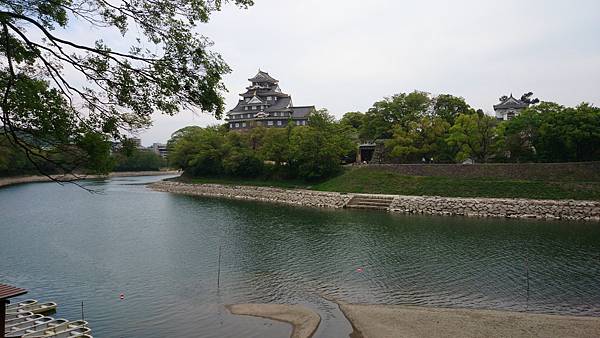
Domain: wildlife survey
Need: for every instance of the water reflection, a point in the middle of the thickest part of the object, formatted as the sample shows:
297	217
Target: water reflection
161	250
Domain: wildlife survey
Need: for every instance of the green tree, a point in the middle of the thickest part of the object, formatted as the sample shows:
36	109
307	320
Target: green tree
103	88
353	120
423	139
313	155
276	146
570	134
449	107
200	152
475	136
398	110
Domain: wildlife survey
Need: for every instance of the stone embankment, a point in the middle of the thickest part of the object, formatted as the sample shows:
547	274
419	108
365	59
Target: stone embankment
495	207
298	197
428	205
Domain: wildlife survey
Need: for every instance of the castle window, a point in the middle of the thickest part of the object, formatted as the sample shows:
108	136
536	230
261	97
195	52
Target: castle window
231	125
297	123
253	107
270	123
246	108
279	123
237	125
244	124
269	98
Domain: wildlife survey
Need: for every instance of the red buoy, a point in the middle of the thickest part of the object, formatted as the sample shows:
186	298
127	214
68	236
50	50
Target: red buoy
359	270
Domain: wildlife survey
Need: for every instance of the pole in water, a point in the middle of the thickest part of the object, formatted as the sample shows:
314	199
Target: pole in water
219	270
527	278
82	316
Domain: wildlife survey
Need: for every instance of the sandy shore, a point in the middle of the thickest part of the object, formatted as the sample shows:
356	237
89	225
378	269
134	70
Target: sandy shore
304	321
6	181
382	321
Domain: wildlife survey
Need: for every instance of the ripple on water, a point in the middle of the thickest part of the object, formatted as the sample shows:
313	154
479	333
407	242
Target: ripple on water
161	251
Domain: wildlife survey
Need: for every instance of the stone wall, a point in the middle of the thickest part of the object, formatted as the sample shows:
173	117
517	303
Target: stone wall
305	198
445	206
493	207
583	171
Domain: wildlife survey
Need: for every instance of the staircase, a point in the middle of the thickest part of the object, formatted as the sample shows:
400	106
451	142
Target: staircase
369	202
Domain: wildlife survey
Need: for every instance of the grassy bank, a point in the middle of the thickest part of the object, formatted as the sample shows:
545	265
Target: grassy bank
378	181
381	181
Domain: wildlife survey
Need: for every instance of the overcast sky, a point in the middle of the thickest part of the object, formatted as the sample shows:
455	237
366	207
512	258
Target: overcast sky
344	55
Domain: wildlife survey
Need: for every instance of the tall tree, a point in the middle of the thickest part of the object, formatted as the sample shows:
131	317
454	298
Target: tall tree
423	139
449	107
400	109
475	135
110	89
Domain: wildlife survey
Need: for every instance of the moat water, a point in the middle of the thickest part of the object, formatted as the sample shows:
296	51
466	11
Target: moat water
161	252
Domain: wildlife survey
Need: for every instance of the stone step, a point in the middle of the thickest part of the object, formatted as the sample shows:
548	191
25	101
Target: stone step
361	202
369	202
374	207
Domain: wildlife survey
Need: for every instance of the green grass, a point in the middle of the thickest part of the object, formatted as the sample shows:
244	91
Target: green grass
380	181
287	184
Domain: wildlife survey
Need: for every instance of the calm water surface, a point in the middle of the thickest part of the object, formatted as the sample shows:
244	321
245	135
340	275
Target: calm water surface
161	250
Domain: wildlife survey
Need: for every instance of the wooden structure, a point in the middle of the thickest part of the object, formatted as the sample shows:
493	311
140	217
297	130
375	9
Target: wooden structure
7	292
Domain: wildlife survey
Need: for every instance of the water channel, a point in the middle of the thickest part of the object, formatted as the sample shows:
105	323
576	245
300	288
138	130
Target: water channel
161	250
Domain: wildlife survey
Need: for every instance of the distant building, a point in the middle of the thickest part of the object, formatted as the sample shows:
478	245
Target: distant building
509	107
264	104
160	149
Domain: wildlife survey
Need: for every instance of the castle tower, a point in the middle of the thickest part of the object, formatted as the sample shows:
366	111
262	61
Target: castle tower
264	104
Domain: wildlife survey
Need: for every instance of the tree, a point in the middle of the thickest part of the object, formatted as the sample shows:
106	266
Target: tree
569	134
475	136
400	109
526	98
163	67
449	107
421	139
353	120
138	160
313	155
276	146
200	152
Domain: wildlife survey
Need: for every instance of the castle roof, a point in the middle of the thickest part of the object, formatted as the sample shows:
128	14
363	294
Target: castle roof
511	102
263	77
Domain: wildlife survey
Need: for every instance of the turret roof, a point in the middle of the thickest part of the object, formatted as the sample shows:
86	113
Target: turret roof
263	77
511	102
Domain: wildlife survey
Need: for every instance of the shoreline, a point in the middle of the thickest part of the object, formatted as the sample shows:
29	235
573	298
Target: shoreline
304	321
14	180
373	321
571	210
379	321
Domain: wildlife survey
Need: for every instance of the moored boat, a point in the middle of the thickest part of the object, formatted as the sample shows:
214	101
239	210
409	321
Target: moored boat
61	330
35	308
17	316
78	332
39	325
17	306
22	321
